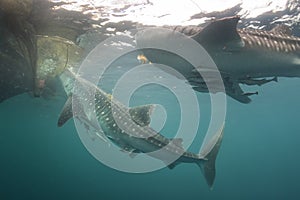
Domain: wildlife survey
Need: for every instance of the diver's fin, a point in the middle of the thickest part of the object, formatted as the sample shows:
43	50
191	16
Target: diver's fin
259	82
209	154
141	114
250	93
221	31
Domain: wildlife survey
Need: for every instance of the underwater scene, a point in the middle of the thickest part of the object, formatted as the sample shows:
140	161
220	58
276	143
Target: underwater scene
149	99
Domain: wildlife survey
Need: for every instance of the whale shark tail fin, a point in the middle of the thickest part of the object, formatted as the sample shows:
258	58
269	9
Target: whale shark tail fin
209	154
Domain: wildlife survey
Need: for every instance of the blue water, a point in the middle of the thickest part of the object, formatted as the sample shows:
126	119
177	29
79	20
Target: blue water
258	159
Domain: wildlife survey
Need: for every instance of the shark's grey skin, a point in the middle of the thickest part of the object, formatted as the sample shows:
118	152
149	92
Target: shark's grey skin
251	53
129	128
241	55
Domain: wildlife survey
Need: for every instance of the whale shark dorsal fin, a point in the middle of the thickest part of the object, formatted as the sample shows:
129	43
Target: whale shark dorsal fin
219	31
141	114
177	142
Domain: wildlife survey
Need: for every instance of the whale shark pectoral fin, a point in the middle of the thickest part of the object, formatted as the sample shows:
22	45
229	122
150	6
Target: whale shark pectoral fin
222	32
134	153
242	98
68	112
235	91
131	151
141	114
172	165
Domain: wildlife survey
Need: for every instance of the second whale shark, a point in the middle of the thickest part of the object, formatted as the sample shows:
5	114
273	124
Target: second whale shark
243	56
129	129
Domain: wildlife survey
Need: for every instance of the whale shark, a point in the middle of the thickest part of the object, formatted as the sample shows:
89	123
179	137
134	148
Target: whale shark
128	128
243	56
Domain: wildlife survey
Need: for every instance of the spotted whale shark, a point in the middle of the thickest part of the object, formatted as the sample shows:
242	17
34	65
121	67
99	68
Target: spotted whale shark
128	128
243	56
